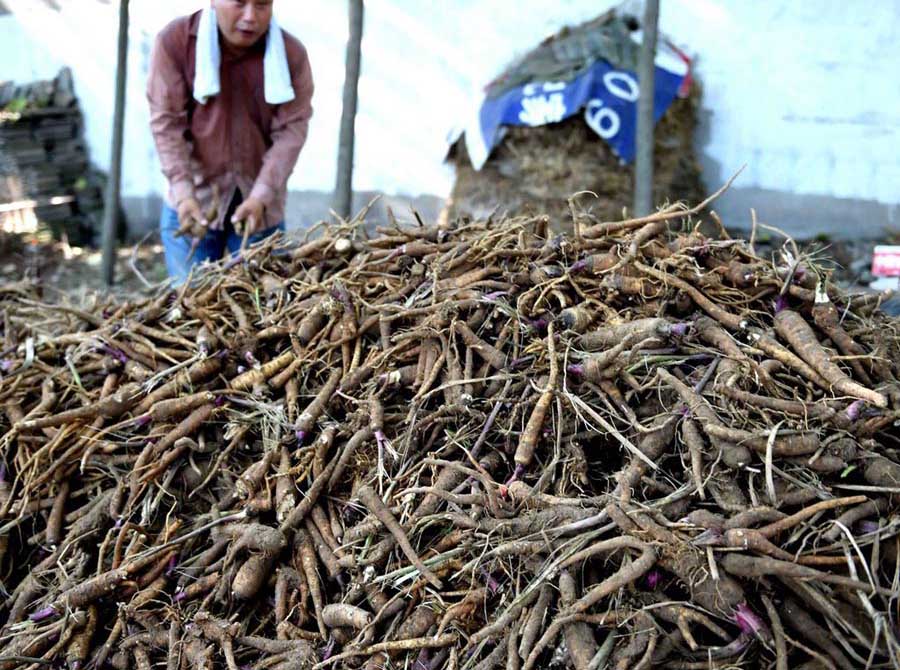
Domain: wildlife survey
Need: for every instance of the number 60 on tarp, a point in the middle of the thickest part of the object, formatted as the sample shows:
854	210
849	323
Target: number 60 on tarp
602	119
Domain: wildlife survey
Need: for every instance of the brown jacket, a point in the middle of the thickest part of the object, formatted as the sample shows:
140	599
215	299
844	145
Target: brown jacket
236	140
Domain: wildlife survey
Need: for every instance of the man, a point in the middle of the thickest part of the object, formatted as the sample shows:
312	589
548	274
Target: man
230	102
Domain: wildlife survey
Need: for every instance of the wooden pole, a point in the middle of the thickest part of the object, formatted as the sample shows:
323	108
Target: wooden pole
113	184
643	167
343	190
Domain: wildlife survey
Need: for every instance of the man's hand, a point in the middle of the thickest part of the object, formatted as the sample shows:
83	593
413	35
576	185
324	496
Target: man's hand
189	212
252	213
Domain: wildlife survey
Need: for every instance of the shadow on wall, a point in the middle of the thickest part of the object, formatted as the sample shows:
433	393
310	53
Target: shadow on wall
800	215
304	209
805	217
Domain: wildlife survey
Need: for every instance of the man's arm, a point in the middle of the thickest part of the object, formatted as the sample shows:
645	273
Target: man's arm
290	125
167	93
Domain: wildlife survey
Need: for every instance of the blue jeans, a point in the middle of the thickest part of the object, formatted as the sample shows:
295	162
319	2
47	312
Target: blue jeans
212	247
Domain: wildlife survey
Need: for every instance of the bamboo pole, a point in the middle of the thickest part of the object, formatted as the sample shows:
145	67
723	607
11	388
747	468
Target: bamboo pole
643	168
113	185
343	191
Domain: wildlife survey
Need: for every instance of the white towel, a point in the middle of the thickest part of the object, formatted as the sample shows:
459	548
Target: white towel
276	73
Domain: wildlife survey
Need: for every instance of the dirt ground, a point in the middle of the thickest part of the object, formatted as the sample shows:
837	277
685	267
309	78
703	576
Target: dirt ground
67	273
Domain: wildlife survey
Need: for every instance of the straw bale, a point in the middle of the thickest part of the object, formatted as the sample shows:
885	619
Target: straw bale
536	170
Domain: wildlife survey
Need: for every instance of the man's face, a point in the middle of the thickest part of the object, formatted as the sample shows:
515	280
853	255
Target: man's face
243	22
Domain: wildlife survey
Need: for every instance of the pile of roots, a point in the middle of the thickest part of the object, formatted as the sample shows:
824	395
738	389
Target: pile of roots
471	446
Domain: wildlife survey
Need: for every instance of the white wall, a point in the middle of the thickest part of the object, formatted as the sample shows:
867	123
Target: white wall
804	92
23	59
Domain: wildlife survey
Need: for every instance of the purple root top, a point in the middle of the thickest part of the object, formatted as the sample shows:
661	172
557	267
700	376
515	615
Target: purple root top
578	266
328	651
491	297
653	578
380	438
42	614
518	472
222	354
540	324
750	622
685	411
143	420
220	400
490	582
300	435
341	296
517	363
575	369
250	358
854	408
204	350
241	369
119	523
180	595
75	665
173	563
735	647
115	353
781	304
234	260
680	329
800	273
868	526
2	472
6	365
423	660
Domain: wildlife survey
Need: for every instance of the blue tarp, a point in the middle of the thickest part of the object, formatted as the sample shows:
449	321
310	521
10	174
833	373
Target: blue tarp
607	96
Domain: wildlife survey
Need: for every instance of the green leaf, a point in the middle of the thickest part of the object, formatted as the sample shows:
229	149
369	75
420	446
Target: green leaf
75	374
16	105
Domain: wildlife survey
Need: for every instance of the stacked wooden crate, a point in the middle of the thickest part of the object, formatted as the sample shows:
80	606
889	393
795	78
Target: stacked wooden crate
45	173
